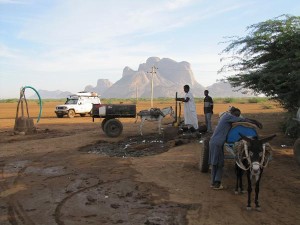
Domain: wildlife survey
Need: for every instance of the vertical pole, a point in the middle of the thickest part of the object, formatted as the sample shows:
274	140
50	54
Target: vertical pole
152	76
176	108
152	87
136	93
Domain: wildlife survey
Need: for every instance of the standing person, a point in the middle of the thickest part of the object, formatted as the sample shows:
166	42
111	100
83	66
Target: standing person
190	114
208	110
216	143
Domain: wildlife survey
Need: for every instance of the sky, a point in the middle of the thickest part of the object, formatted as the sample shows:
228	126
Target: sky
68	44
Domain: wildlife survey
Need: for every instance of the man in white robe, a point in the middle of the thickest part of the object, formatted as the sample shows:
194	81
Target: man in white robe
190	114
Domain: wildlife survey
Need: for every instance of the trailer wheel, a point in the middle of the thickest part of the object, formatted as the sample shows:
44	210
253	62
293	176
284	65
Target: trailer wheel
113	128
297	150
103	123
204	154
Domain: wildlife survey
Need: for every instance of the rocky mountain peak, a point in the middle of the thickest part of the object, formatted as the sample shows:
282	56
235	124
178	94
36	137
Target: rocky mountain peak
169	77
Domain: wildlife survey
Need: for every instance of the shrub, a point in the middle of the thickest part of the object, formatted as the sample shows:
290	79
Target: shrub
228	100
265	106
253	100
290	126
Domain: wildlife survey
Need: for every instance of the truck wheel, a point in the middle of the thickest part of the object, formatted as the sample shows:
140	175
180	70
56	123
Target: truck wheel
82	114
103	123
204	154
71	113
59	115
297	150
113	128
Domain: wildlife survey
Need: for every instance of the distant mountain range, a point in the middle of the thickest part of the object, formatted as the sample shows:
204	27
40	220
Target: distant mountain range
169	77
52	94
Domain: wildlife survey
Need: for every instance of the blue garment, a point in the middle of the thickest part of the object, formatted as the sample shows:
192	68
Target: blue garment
216	174
216	153
234	134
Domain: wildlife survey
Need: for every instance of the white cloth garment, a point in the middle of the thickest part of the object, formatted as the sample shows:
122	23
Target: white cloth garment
190	114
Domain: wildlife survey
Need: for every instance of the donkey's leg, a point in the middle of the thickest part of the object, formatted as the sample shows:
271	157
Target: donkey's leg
249	189
241	182
159	124
141	126
239	179
236	168
257	206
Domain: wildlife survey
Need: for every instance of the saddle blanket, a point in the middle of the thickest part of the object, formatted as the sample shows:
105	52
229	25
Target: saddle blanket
153	112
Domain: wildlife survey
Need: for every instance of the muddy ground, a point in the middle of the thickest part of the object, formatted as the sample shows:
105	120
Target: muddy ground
70	173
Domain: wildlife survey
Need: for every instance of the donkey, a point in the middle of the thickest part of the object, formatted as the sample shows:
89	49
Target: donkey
252	155
154	114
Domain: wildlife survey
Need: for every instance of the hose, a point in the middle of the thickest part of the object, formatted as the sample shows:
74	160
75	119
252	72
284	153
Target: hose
40	101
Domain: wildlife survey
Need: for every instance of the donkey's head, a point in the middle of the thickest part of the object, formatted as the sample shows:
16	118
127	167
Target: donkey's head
168	111
255	152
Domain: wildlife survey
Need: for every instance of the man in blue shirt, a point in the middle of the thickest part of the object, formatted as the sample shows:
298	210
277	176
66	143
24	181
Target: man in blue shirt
217	141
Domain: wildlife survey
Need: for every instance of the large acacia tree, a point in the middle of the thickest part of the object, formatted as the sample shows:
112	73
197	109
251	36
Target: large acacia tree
267	60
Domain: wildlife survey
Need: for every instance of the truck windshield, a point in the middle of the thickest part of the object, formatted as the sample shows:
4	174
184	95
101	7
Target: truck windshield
71	101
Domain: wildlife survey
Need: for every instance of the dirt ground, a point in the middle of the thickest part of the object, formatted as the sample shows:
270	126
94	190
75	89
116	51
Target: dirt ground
71	173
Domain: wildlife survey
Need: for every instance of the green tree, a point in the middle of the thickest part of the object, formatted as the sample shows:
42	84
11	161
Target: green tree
267	60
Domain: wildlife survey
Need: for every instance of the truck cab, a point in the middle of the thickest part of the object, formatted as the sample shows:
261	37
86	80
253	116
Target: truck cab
80	103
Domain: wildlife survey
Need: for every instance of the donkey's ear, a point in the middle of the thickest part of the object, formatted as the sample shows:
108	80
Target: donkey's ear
264	140
245	138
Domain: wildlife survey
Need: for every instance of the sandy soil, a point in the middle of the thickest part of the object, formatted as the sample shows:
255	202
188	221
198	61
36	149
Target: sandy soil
58	176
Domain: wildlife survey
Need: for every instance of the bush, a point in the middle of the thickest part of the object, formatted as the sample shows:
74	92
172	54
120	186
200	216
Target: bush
265	106
291	127
228	100
253	100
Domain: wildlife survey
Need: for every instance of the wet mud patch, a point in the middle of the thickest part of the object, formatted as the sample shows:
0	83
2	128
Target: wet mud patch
122	202
136	146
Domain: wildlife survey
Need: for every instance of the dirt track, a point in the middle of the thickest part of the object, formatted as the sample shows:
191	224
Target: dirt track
51	178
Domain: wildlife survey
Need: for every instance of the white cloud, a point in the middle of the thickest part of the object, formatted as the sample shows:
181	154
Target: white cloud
13	2
92	22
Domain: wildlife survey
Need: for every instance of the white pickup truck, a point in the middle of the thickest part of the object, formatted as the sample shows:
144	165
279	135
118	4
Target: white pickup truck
79	103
